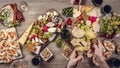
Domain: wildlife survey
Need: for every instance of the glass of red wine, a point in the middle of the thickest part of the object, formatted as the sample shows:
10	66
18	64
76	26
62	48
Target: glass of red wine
36	60
106	9
97	3
114	62
65	34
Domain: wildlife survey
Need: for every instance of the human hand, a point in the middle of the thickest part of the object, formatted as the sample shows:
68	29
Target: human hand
74	58
98	51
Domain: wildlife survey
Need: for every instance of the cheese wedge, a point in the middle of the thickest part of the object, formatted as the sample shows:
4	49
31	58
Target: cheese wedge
23	38
94	12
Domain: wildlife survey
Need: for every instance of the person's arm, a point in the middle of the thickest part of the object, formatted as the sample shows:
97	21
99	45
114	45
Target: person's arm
99	55
103	63
74	58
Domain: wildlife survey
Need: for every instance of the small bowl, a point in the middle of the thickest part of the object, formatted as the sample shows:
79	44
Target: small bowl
46	59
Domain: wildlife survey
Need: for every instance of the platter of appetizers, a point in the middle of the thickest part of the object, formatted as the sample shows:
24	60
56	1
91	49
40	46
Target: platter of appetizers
45	29
85	28
10	16
9	46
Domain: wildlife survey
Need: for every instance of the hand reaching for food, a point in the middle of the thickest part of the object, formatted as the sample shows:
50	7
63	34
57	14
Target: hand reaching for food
99	55
98	50
74	58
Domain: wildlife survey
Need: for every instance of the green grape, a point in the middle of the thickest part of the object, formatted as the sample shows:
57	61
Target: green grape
17	23
2	18
34	31
11	24
5	14
28	42
87	38
45	36
37	27
44	21
48	34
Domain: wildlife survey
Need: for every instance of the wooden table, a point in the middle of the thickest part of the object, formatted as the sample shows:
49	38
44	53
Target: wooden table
37	7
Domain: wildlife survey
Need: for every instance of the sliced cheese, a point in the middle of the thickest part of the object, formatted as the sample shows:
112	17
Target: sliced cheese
94	12
76	13
23	38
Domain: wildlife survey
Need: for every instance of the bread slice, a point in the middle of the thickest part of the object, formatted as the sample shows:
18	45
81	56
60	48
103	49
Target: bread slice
85	8
24	36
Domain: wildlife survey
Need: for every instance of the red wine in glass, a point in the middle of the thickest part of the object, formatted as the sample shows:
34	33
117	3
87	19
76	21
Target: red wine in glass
65	34
106	9
114	62
97	2
36	60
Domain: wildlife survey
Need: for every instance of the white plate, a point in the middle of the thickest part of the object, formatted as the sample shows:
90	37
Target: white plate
51	54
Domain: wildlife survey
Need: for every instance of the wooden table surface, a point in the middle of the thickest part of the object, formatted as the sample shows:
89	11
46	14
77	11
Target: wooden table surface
37	7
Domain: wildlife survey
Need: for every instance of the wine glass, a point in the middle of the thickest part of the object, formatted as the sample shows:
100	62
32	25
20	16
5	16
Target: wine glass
36	60
65	34
97	3
22	6
106	9
19	64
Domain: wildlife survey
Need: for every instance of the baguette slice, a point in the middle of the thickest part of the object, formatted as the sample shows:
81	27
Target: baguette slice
85	8
23	38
